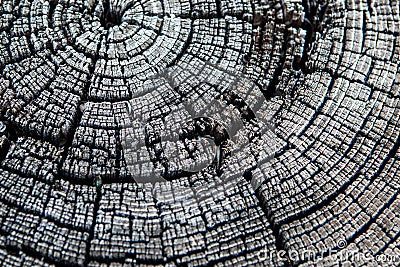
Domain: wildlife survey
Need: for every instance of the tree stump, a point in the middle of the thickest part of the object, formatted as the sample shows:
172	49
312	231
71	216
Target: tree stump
176	133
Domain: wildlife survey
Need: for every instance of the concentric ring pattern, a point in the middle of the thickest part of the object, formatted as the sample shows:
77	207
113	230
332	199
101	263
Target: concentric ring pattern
76	75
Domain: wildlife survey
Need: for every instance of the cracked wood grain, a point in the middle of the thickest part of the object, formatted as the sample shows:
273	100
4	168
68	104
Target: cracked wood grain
81	79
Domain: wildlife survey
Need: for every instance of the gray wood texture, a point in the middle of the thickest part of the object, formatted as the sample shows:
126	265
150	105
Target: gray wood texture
328	73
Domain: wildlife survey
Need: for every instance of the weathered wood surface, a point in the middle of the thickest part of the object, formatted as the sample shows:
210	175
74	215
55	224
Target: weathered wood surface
329	73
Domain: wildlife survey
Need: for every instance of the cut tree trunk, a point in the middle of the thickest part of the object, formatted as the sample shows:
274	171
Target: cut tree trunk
299	101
